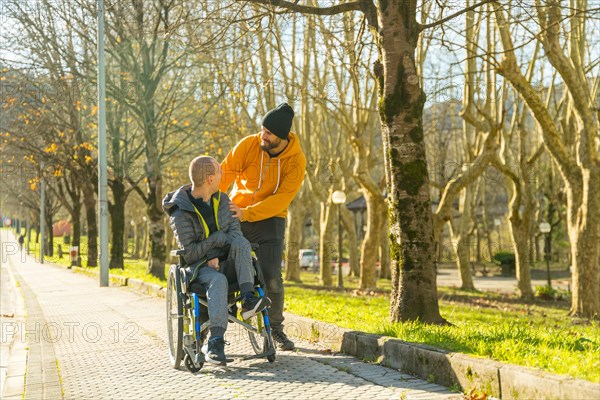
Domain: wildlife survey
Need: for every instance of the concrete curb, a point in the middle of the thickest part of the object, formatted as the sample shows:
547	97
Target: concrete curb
146	288
497	379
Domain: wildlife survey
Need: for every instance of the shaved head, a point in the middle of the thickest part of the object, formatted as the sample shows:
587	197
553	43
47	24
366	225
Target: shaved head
201	168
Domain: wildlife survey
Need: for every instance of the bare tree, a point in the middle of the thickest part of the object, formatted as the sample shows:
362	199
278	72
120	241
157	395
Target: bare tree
579	165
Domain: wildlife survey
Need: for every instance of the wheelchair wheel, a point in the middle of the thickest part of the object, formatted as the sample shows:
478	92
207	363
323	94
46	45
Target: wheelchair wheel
175	317
260	344
187	361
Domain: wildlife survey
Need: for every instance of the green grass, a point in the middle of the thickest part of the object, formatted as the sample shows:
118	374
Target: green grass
486	325
137	269
134	268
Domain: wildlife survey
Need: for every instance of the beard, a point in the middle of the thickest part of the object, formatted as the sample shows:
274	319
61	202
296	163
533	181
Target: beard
270	145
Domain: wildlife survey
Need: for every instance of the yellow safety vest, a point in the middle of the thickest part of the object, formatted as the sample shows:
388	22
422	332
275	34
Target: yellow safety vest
216	211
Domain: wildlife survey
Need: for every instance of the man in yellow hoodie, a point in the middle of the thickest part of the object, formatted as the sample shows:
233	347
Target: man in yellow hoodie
268	169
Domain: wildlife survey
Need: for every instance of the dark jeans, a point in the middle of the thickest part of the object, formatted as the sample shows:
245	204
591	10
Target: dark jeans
269	235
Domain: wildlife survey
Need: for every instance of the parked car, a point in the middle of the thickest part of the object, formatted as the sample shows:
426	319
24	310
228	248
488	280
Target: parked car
309	259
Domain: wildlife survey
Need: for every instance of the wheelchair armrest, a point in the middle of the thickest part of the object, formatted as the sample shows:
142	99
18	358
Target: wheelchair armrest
178	252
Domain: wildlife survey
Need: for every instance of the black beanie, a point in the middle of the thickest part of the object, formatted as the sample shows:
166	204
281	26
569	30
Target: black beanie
279	120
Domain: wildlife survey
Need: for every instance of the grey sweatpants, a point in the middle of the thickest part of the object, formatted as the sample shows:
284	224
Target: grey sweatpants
215	282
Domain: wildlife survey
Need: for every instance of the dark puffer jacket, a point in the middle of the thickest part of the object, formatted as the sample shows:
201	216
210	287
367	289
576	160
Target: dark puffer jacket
189	231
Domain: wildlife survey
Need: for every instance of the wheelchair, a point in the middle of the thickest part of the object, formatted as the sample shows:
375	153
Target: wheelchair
186	301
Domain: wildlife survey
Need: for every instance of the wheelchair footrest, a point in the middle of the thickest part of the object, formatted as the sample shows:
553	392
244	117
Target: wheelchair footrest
261	355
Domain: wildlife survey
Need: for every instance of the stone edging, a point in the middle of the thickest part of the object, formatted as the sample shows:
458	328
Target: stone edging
505	381
497	379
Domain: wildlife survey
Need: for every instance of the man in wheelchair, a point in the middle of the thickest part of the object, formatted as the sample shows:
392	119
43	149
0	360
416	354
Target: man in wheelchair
213	247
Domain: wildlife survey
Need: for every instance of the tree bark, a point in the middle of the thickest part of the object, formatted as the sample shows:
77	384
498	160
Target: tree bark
138	240
384	248
327	247
89	201
370	249
49	231
76	224
414	291
293	240
156	224
117	217
461	238
583	222
353	246
169	239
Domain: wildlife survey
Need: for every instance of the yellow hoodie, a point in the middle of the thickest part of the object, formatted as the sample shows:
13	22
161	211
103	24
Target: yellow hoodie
264	187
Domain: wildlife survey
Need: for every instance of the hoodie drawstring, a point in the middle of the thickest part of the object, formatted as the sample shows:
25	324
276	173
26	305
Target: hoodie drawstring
261	176
278	174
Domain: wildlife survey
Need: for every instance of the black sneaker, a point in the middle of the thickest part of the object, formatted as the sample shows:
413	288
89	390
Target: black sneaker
283	343
214	351
253	305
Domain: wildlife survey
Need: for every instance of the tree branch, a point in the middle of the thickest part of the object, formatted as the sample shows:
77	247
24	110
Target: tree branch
337	9
456	14
366	6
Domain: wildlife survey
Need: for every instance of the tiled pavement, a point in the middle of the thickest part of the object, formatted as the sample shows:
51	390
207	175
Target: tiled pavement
87	342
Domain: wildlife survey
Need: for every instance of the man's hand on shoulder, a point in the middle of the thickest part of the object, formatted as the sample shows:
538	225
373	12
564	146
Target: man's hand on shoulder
236	212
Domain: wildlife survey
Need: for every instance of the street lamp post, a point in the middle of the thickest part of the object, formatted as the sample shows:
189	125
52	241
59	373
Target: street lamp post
102	151
42	214
545	228
497	223
339	198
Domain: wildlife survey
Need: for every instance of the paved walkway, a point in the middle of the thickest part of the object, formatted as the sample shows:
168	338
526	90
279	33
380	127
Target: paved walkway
500	284
80	341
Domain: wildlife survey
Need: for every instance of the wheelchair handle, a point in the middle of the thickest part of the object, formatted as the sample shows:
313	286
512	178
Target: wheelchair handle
178	252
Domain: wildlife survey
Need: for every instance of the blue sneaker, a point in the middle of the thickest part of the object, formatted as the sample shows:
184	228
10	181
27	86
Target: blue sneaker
214	351
253	305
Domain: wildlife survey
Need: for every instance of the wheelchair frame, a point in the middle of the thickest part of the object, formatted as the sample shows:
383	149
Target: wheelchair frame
184	328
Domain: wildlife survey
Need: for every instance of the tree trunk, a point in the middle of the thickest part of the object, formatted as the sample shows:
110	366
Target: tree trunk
414	291
139	232
384	248
461	237
327	247
89	201
355	267
584	234
293	238
478	246
117	217
49	231
76	224
520	238
370	245
145	233
156	236
169	239
353	246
